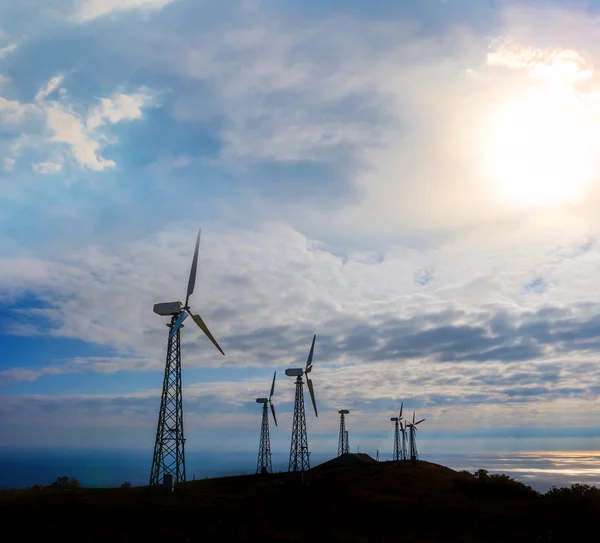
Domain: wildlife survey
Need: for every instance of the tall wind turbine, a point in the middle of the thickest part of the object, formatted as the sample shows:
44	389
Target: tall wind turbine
168	462
343	447
263	465
397	456
412	437
299	455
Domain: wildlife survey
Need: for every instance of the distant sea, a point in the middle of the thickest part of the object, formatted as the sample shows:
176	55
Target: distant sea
19	469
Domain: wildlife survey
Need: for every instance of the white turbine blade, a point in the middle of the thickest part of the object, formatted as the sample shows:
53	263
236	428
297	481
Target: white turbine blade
272	386
192	280
180	319
312	395
273	411
310	355
198	320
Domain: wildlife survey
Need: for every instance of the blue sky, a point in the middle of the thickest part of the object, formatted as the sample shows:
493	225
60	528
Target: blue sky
358	171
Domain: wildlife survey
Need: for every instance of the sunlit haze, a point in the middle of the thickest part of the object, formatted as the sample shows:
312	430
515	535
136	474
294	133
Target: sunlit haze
544	144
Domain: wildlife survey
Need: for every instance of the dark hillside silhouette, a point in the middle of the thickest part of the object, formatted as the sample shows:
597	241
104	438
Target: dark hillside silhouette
381	502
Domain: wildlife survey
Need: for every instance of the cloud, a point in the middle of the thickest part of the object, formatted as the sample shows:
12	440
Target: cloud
88	10
51	86
363	309
14	112
4	51
120	107
64	127
562	65
80	365
405	157
47	167
67	127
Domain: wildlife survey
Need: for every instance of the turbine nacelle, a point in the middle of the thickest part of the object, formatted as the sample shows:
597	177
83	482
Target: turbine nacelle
262	400
294	372
394	419
168	308
343	411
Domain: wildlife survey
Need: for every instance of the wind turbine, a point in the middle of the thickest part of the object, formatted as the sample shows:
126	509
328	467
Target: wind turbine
263	464
412	437
168	462
397	456
403	451
299	455
343	447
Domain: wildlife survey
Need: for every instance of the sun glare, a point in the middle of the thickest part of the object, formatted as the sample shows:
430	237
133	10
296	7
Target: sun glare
543	146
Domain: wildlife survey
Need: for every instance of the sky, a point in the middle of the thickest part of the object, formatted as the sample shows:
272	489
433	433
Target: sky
414	182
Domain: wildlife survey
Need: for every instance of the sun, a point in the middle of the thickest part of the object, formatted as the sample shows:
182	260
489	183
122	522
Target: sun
543	146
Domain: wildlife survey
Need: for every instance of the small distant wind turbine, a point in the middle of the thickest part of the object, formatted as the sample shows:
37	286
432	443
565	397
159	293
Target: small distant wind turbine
412	437
168	462
403	451
343	446
264	450
299	455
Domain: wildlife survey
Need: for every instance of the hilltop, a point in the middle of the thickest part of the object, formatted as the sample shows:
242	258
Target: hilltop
369	501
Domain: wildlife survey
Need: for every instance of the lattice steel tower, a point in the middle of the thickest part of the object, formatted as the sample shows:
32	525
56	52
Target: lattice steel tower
412	438
168	462
343	447
263	465
169	447
396	454
299	455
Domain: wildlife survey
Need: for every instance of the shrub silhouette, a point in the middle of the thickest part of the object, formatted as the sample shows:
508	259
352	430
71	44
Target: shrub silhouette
66	482
497	486
126	484
576	490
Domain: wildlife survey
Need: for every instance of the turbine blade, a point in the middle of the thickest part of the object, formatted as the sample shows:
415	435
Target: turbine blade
198	320
272	386
419	422
401	405
310	355
180	319
273	411
192	280
312	395
413	417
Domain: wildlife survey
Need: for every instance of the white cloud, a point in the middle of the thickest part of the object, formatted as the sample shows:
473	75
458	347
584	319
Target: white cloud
88	10
9	164
12	111
4	51
67	127
83	135
47	167
120	107
51	86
